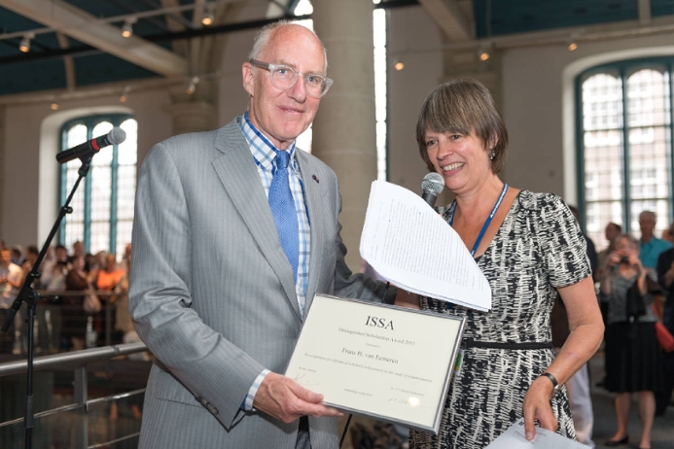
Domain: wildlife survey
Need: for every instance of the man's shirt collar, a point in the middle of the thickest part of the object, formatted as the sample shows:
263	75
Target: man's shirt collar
263	150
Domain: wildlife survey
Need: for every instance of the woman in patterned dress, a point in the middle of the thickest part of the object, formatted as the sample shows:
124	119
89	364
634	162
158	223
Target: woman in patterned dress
530	249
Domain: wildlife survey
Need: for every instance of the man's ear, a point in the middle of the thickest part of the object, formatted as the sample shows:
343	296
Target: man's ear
248	78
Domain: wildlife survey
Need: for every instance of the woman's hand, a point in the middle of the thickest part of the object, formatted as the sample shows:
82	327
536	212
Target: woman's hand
633	259
407	299
537	407
613	259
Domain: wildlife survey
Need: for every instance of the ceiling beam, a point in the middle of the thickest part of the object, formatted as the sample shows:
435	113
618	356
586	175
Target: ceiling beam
175	23
69	64
84	27
162	37
644	12
449	18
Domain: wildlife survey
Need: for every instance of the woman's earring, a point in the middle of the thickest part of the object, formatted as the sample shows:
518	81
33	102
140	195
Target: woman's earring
492	155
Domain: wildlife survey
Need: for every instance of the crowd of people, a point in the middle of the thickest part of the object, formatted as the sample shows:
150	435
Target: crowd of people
76	288
635	289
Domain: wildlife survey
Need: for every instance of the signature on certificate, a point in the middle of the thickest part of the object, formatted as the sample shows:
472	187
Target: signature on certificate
302	379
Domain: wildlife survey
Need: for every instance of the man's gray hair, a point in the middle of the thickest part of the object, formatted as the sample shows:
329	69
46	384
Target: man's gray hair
650	213
264	35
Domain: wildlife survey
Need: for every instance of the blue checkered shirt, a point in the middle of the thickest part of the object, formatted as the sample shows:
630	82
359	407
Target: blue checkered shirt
264	152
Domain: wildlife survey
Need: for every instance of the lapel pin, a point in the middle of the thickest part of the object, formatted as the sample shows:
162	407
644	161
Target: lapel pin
315	178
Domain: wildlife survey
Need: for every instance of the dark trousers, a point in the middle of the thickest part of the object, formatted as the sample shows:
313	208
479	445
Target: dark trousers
303	434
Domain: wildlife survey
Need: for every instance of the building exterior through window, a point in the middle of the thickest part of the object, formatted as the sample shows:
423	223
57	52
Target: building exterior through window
625	145
102	214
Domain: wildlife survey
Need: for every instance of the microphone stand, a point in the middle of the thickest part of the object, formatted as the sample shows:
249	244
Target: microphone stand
28	295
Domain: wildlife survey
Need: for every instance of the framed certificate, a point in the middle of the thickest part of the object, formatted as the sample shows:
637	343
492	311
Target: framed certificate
386	362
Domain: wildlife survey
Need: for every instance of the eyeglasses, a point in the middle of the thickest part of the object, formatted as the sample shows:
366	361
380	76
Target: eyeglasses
284	77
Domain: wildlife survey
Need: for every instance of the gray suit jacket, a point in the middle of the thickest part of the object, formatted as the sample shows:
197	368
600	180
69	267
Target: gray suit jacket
212	293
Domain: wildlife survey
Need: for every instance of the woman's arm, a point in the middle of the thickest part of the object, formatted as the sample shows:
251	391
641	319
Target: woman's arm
587	330
605	275
641	273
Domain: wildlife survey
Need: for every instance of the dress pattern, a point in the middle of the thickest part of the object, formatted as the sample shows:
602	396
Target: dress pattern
539	247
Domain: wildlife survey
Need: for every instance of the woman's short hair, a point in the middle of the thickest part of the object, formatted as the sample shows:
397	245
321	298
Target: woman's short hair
464	106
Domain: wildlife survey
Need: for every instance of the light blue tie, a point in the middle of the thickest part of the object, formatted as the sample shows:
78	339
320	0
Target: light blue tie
283	209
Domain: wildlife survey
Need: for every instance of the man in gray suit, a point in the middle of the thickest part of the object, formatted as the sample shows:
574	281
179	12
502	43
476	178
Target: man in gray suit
220	284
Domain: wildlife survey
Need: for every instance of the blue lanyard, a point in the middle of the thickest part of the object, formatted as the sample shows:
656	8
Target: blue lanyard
487	222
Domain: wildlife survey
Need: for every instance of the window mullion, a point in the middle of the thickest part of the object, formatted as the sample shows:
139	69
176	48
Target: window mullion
113	198
63	195
87	199
627	201
671	140
580	153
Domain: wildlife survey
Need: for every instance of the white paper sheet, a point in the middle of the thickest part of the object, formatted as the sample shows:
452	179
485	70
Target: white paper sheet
514	438
411	246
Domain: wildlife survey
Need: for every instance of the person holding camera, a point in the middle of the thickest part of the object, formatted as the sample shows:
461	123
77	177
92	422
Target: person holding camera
632	352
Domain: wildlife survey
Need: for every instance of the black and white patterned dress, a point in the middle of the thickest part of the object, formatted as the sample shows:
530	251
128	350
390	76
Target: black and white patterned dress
538	248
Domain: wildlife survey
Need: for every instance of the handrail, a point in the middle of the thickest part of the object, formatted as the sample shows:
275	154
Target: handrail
115	441
91	404
64	408
77	361
98	402
76	357
84	292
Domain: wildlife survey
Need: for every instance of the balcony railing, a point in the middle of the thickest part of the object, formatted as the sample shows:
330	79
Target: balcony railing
84	423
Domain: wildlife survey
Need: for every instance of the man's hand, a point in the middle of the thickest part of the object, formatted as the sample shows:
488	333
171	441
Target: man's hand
283	398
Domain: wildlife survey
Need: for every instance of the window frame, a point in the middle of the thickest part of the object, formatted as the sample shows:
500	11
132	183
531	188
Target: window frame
623	70
90	121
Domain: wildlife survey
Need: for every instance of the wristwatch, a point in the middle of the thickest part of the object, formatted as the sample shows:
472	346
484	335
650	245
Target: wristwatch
553	379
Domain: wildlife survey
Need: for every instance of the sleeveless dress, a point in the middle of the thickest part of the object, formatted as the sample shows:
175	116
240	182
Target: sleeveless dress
539	247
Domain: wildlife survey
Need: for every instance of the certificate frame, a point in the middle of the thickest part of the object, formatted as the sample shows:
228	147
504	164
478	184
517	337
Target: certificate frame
378	360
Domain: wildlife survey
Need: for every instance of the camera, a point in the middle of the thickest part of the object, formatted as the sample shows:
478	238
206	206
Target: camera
625	260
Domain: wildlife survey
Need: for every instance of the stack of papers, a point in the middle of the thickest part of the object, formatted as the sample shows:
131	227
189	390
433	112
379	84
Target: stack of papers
514	438
411	246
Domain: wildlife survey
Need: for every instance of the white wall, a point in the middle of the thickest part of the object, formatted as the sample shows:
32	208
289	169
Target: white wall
32	135
233	99
539	107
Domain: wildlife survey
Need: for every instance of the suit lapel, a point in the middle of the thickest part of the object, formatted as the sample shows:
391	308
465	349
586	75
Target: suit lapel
315	201
239	176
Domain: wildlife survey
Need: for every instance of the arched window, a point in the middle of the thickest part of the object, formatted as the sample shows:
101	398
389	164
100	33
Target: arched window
625	145
103	204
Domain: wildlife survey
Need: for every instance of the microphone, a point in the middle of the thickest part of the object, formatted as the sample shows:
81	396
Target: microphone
88	149
432	185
